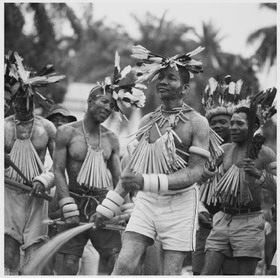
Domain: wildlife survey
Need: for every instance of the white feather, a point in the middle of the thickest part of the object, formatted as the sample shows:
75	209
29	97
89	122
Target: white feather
125	71
238	86
231	88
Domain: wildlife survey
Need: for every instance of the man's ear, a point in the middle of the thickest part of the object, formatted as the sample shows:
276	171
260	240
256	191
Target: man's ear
186	89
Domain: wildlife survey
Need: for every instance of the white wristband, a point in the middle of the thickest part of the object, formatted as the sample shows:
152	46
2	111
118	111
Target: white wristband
154	183
47	179
66	200
105	211
146	186
163	183
115	197
107	203
71	213
199	151
69	207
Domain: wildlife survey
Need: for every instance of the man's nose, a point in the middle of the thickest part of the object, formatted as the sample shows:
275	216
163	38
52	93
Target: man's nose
163	80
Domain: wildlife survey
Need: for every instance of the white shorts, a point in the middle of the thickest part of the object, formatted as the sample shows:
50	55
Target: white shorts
171	219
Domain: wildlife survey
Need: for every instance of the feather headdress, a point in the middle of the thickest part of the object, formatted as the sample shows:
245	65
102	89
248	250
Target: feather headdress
149	64
127	95
21	82
220	96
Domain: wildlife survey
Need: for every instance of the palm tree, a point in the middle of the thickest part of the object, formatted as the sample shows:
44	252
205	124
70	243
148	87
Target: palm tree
43	42
211	40
266	52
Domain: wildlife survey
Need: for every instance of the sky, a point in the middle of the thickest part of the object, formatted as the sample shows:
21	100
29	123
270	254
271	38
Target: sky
234	19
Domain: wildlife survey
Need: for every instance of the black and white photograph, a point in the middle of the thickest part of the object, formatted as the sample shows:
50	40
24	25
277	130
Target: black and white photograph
140	138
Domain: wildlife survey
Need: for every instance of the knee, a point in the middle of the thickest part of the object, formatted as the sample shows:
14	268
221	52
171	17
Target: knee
125	266
70	264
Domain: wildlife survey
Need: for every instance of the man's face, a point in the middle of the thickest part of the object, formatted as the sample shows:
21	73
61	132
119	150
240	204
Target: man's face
169	85
220	124
20	108
59	120
239	127
101	107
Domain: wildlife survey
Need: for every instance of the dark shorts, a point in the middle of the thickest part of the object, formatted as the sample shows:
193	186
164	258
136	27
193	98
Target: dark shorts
106	242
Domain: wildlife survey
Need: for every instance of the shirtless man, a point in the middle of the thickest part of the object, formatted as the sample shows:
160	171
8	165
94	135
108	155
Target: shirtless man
89	153
168	160
27	138
239	231
218	114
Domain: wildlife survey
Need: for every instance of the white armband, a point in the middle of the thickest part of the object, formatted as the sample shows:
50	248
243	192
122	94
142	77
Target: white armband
111	205
155	183
47	179
163	183
105	211
66	200
71	213
199	151
115	197
69	208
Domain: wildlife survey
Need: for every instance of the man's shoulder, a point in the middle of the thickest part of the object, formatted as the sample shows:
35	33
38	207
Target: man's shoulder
197	119
108	133
227	146
69	128
266	152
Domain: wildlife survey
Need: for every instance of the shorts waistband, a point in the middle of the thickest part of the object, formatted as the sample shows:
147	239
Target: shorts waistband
234	211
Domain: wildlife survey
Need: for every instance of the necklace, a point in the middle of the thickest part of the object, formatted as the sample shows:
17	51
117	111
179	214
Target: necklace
173	116
87	137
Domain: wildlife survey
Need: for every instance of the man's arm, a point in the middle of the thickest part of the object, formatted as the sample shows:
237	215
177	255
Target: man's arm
67	204
114	161
51	132
266	177
188	176
59	161
45	181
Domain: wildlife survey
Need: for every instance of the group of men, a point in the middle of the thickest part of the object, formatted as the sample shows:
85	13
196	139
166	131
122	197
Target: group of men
171	155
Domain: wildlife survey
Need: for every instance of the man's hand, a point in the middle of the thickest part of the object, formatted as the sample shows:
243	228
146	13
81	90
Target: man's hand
131	181
248	165
37	189
205	220
98	219
72	221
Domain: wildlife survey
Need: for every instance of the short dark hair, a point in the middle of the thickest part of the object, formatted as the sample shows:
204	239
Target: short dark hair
94	92
246	110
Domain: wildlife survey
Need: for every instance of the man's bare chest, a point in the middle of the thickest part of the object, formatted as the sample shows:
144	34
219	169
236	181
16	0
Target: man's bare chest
78	148
33	132
181	134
